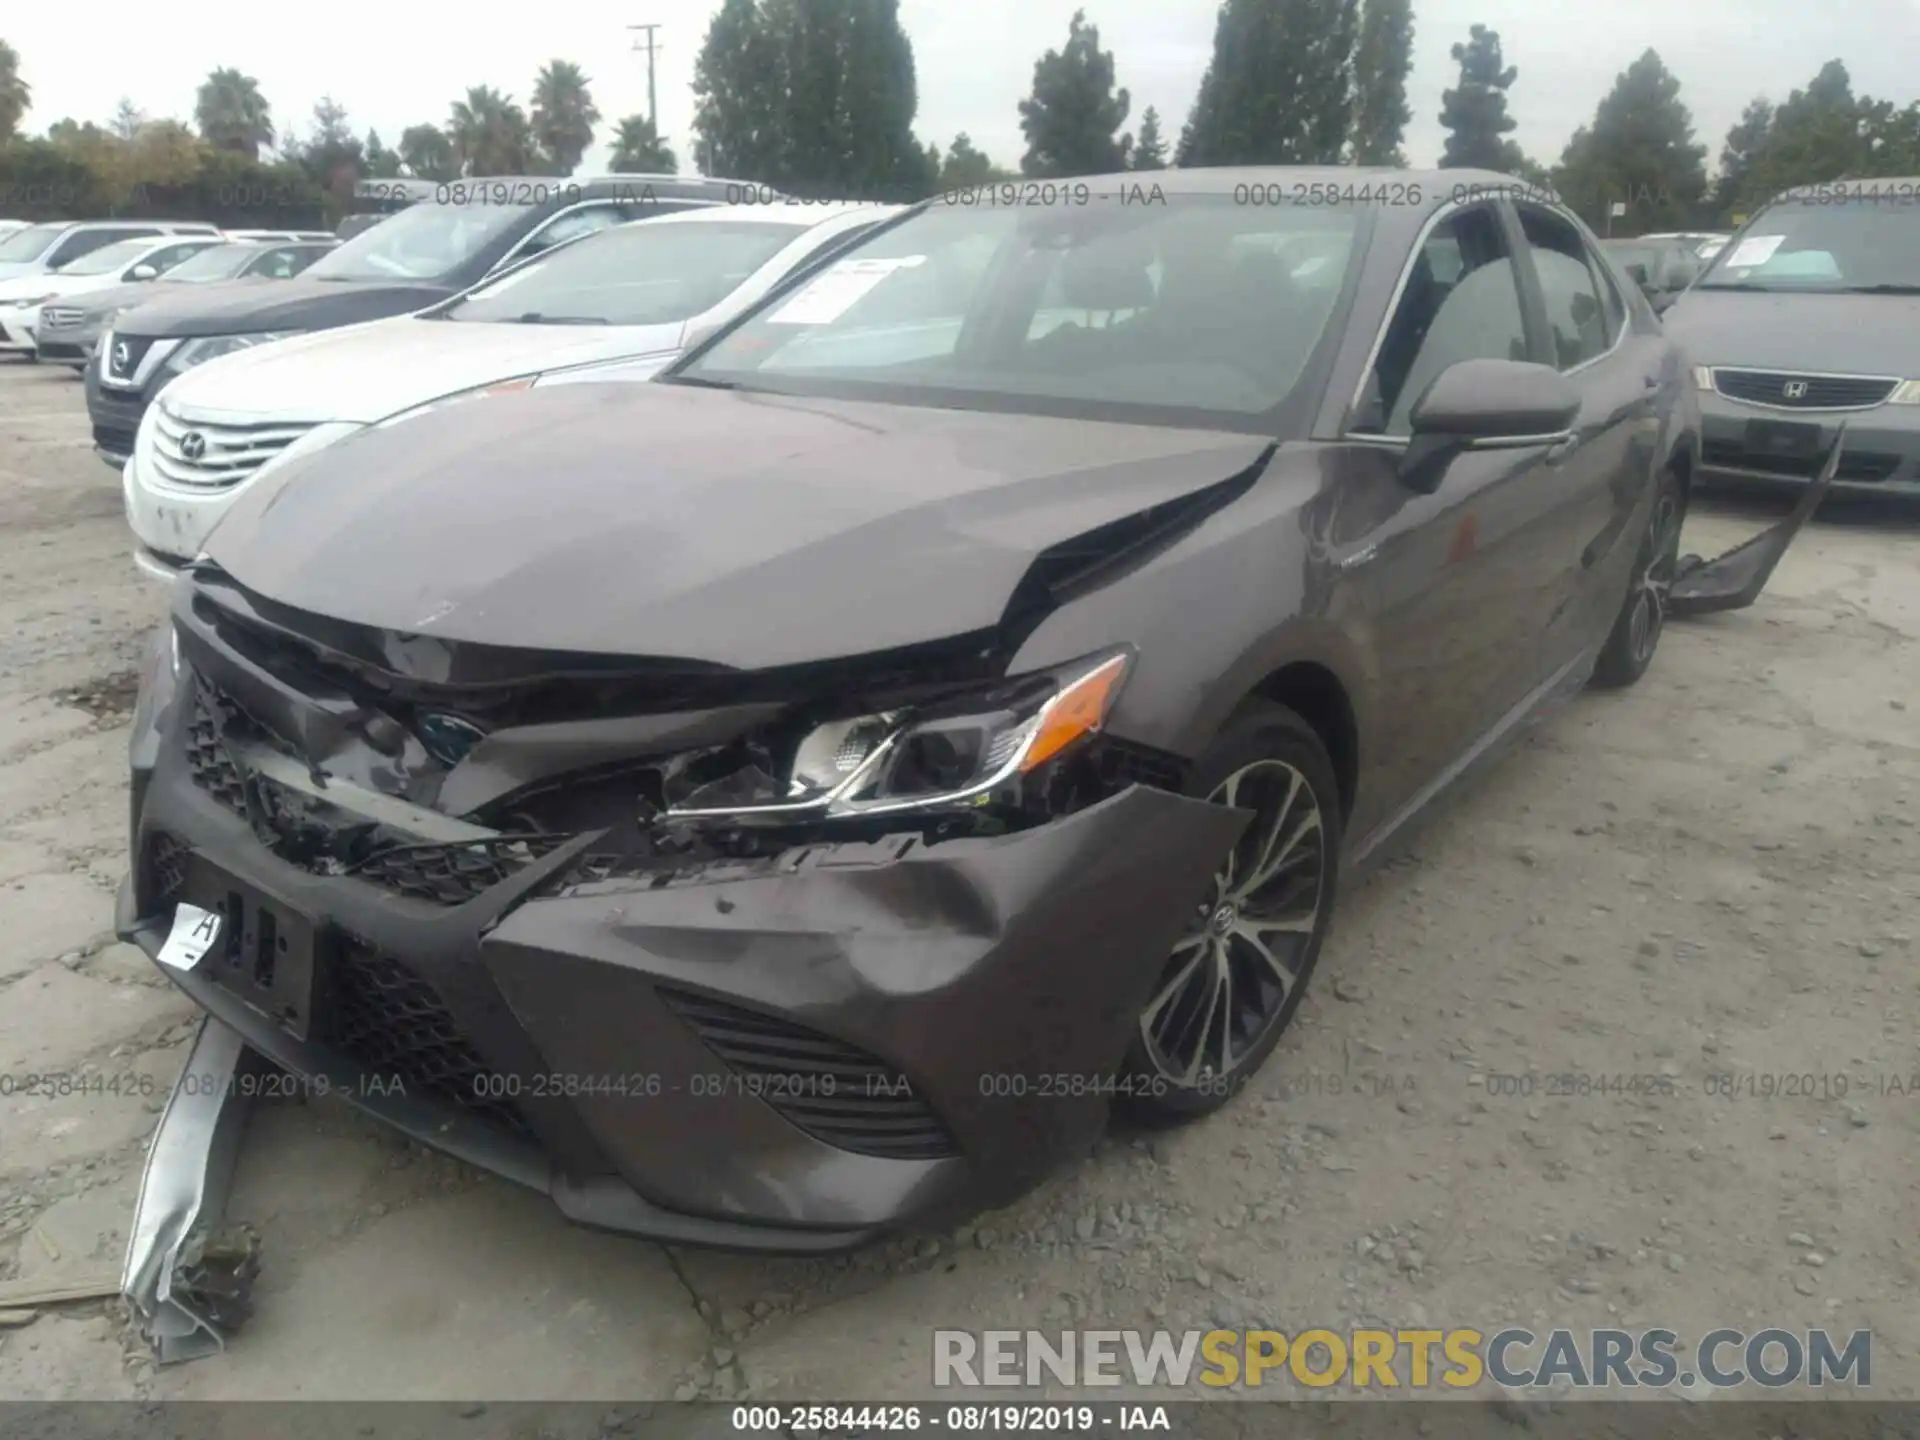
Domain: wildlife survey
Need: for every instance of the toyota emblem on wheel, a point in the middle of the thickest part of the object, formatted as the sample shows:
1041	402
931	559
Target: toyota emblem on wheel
193	445
1794	389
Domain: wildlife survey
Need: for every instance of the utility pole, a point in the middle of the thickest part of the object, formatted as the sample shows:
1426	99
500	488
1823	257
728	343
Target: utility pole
653	114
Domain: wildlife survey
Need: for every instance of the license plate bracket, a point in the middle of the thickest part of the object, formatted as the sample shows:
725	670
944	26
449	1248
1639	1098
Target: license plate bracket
1795	439
268	953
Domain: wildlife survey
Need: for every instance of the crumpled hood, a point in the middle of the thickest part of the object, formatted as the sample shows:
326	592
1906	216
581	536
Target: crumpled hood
371	372
1842	334
661	520
245	307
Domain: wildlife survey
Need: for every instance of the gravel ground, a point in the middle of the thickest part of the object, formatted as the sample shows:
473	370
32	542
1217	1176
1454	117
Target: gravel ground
1715	872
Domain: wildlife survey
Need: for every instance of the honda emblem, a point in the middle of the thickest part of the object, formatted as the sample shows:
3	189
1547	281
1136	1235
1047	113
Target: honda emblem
1794	389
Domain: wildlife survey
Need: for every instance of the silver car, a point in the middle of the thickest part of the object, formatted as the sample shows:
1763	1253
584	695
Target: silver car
69	333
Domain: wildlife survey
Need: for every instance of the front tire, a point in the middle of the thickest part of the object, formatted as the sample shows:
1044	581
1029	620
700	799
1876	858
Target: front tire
1643	615
1235	978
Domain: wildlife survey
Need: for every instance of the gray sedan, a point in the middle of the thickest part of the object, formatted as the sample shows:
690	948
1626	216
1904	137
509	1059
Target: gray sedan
69	332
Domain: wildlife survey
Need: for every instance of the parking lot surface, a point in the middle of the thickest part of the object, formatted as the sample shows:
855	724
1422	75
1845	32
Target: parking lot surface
1626	1037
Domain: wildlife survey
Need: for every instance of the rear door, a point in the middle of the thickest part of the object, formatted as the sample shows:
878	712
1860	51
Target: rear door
1578	514
1428	579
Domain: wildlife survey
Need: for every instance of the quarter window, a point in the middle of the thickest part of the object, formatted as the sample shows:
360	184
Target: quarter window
1461	302
1575	314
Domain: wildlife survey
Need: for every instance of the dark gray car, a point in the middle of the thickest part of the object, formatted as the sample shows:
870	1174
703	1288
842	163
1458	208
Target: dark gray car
800	798
1810	317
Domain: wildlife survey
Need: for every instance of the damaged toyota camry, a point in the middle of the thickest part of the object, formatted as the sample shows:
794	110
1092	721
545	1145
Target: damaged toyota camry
803	797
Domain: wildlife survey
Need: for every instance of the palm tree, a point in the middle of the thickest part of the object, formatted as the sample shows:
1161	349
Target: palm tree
16	96
490	134
233	114
638	150
427	153
563	114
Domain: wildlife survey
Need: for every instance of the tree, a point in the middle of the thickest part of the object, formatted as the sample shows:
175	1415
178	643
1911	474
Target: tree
1740	158
382	163
1891	138
490	134
639	150
1149	146
1815	136
1474	114
232	113
427	152
16	96
1382	60
812	96
1639	152
127	119
332	156
1279	88
563	115
964	166
1071	116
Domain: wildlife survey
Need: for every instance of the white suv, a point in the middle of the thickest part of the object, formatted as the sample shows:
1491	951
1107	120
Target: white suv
36	249
121	263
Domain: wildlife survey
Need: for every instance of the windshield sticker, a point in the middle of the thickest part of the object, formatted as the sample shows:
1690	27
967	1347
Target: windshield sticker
1754	250
832	293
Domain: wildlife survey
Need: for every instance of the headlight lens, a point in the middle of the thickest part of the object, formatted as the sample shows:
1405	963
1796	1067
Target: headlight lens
1907	393
212	347
954	753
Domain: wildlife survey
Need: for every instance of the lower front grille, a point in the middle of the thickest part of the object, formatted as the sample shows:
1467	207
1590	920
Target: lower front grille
453	874
1858	466
390	1021
833	1091
163	873
212	768
113	440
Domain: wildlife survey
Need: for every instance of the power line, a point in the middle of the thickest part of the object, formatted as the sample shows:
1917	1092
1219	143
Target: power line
653	114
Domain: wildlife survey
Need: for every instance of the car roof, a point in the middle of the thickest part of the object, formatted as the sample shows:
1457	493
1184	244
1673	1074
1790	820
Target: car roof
801	213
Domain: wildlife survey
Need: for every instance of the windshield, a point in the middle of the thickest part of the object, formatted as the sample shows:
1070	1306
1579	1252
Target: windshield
1191	303
1839	242
27	244
646	274
422	242
116	256
218	262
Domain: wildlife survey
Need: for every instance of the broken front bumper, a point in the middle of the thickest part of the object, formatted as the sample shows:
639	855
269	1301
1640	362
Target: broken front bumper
791	1054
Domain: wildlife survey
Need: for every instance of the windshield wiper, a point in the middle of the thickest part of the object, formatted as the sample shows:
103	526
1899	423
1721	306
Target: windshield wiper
1881	289
534	317
1746	285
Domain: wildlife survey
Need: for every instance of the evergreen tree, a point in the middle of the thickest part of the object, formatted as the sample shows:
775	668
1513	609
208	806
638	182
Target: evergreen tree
1071	116
1474	114
1638	151
1279	88
1149	147
1382	60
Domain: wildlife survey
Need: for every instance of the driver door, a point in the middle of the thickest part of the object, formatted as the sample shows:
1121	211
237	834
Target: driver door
1427	582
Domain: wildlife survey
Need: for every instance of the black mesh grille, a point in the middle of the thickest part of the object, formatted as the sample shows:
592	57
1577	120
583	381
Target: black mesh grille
207	759
165	872
454	874
1860	467
1801	392
831	1090
393	1023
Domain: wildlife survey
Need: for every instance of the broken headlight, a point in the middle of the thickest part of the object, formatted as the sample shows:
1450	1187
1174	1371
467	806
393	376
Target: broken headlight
959	751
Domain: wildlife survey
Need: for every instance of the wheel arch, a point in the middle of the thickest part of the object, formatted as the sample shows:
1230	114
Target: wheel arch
1313	692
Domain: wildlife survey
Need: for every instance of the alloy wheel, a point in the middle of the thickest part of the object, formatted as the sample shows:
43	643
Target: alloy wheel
1649	613
1229	978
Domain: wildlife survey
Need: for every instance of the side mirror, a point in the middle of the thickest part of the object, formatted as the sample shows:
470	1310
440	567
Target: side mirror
1485	405
1637	273
142	272
1663	301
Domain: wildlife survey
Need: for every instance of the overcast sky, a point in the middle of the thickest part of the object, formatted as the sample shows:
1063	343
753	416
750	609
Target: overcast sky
393	65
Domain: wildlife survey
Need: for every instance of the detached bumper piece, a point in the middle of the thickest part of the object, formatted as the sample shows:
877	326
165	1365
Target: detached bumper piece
188	1280
1735	580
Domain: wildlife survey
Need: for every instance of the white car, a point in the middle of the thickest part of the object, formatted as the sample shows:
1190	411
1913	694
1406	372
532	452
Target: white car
122	263
36	249
614	306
